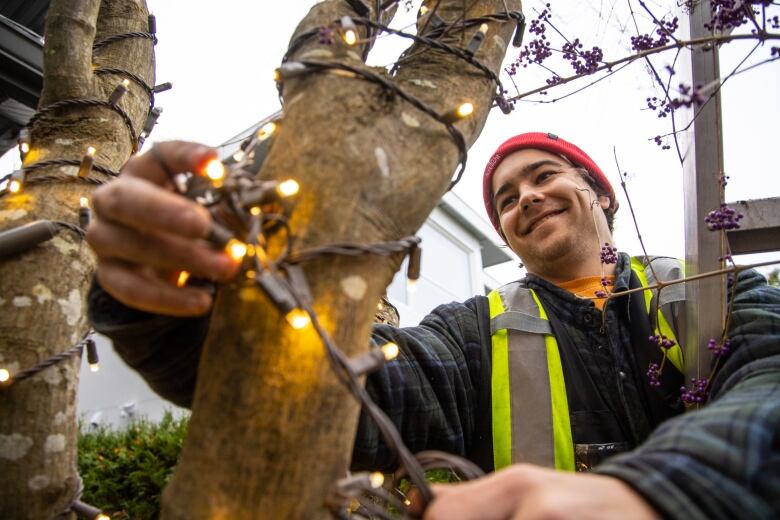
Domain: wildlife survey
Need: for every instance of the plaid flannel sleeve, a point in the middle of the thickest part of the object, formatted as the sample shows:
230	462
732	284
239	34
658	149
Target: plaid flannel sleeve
432	392
723	460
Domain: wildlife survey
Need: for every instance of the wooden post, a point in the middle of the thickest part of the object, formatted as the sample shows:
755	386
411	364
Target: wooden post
703	193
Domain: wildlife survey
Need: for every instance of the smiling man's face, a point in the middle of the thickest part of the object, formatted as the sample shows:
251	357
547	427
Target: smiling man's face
547	211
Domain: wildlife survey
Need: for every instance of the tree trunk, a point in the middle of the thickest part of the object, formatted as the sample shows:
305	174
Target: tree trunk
272	428
43	290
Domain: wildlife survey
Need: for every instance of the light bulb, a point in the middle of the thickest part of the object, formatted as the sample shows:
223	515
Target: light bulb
84	202
288	188
390	350
376	479
350	37
91	151
466	109
238	156
24	147
215	170
94	367
15	186
182	280
298	318
266	131
236	249
254	210
5	375
411	286
102	516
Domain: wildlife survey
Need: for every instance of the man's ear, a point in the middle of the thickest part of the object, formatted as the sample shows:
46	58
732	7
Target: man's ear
604	202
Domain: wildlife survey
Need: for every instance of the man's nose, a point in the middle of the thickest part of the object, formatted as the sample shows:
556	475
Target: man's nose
530	197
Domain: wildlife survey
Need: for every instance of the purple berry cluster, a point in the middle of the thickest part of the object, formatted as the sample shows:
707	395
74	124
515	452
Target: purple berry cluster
662	341
723	218
538	49
653	375
719	349
583	62
697	393
689	97
325	35
730	14
645	42
661	142
600	294
608	254
774	22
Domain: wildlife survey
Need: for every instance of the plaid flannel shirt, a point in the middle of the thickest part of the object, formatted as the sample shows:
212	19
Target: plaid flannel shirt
722	461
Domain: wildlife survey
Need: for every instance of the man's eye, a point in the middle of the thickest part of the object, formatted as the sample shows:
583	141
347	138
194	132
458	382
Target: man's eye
506	202
544	175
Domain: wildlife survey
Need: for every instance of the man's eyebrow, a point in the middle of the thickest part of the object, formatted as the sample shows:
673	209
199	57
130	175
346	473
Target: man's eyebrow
527	169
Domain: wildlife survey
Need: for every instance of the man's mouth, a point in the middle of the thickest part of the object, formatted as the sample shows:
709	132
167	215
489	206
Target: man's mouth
540	219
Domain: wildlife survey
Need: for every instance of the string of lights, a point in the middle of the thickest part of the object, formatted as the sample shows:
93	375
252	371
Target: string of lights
297	68
150	35
68	103
248	212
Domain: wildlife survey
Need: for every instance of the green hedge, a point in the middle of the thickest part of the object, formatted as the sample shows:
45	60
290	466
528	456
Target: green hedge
124	471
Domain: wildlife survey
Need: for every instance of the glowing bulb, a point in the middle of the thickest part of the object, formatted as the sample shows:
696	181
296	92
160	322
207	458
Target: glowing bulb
182	280
5	375
24	147
91	151
126	82
255	210
84	202
411	286
277	75
407	502
298	318
266	131
376	479
288	188
423	11
239	155
94	367
251	274
215	170
350	37
380	307
466	109
483	28
15	186
102	516
236	249
390	350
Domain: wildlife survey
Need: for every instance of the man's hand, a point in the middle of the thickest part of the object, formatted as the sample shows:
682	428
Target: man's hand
529	492
145	234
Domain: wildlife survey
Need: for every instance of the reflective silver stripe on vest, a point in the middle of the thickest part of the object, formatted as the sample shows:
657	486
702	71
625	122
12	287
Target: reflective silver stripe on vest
672	300
532	431
514	320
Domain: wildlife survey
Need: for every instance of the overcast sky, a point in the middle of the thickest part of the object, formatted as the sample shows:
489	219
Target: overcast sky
220	57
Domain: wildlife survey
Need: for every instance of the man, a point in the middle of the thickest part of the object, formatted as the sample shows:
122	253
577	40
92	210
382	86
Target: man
543	372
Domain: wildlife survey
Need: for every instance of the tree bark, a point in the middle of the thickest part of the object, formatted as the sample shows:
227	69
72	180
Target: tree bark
43	290
272	428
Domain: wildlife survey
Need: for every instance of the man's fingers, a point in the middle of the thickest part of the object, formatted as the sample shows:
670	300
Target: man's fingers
160	251
494	497
140	204
127	284
168	159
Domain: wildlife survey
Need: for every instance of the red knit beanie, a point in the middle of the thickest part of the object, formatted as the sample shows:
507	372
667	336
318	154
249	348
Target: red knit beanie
539	141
